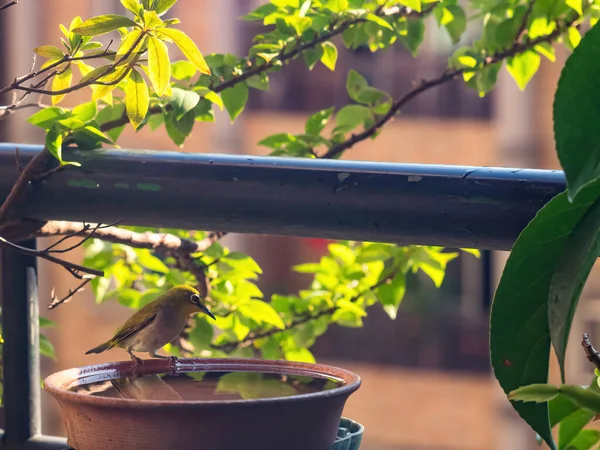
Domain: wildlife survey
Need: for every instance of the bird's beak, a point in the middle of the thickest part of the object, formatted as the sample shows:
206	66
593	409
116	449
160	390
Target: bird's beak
206	311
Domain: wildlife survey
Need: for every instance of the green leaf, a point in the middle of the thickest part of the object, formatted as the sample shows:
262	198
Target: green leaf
351	116
46	323
179	129
330	55
54	143
137	98
103	24
49	51
585	440
337	6
391	294
580	253
61	81
151	20
234	99
85	111
151	262
162	6
355	83
519	333
201	335
134	6
576	114
570	426
239	260
109	113
457	26
183	101
159	66
183	70
46	117
415	33
523	67
46	348
300	355
412	4
538	393
187	47
317	121
261	312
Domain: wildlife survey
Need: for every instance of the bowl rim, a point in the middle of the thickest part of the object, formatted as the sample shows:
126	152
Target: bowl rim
57	383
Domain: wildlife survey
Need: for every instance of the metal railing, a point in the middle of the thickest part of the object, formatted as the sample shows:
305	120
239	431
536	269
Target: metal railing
451	206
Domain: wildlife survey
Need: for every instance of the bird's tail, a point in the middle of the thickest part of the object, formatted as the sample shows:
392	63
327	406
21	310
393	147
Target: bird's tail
101	348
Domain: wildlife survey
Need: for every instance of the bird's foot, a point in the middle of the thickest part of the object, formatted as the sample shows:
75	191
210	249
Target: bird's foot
138	367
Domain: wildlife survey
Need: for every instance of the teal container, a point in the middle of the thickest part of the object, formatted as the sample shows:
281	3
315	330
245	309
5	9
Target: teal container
350	435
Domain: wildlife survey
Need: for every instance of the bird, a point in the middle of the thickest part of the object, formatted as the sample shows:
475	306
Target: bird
156	324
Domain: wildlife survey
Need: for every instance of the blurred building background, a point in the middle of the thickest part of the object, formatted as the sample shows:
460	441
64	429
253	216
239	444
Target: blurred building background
426	377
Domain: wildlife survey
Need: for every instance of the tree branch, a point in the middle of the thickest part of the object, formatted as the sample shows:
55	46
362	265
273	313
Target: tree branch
283	56
228	347
160	242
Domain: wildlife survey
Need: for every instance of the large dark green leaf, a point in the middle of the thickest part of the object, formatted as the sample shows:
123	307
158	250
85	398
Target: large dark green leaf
576	114
580	254
519	333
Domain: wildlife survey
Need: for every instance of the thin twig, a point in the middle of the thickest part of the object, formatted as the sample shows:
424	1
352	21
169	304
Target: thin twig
69	266
517	47
59	301
590	352
523	26
252	337
86	229
8	5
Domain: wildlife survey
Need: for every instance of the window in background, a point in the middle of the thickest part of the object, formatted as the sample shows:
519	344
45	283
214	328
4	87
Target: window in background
393	71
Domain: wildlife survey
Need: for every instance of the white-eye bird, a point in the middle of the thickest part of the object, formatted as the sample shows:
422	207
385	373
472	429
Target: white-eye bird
157	323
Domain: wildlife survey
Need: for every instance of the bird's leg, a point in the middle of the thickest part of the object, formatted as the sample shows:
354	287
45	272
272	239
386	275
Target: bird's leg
137	362
173	359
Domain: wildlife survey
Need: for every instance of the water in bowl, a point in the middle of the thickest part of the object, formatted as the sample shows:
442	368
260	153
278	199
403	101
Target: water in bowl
208	386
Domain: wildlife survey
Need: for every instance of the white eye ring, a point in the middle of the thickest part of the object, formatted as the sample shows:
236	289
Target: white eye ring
195	298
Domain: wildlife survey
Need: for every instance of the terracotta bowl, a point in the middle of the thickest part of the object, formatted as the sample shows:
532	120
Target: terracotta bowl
161	420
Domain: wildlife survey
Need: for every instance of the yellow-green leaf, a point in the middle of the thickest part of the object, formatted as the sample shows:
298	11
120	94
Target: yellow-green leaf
379	21
61	81
127	47
576	5
211	96
188	48
412	4
523	67
159	66
134	6
49	51
151	19
330	55
137	98
162	6
103	24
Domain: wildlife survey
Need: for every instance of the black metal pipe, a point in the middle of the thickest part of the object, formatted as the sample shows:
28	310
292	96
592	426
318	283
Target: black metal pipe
20	352
450	206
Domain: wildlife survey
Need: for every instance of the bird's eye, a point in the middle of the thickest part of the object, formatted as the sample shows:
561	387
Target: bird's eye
195	298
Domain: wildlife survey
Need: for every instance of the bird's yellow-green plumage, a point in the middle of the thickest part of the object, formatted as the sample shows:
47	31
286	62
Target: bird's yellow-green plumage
157	323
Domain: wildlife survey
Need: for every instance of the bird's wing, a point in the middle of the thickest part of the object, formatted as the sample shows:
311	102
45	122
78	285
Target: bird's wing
130	328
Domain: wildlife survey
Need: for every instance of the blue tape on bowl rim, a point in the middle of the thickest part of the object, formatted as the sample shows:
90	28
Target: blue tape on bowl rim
350	435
